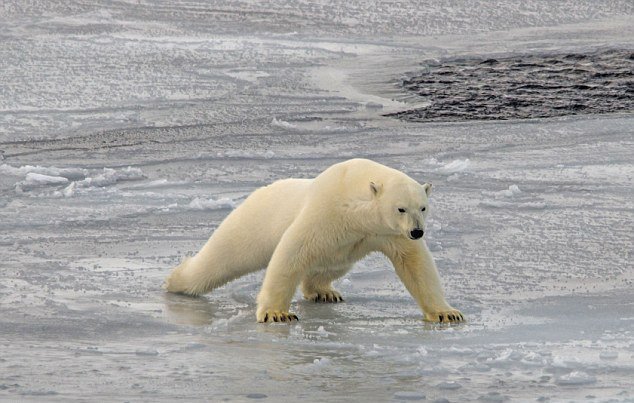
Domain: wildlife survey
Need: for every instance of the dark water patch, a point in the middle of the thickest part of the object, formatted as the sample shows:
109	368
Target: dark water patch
523	87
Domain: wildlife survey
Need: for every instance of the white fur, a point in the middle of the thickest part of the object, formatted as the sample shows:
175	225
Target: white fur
311	231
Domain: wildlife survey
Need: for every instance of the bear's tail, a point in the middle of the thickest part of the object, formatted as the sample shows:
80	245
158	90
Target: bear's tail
181	281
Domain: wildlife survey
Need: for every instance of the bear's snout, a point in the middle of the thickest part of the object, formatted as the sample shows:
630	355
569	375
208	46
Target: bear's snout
417	233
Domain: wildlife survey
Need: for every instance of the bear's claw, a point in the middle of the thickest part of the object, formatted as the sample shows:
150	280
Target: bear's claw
445	317
278	316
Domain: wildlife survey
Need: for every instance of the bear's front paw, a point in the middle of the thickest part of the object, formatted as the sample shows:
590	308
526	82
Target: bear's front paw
324	296
450	315
276	316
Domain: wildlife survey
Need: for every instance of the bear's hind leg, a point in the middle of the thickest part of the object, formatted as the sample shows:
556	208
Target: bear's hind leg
194	278
317	287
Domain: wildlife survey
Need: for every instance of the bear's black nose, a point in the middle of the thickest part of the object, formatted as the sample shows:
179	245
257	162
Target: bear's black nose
417	233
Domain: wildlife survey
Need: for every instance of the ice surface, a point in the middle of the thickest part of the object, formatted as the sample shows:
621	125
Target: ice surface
128	130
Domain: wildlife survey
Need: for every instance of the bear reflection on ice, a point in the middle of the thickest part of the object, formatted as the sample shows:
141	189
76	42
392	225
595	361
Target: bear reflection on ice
309	232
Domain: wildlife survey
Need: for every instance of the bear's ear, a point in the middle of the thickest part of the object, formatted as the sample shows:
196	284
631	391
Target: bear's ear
427	187
375	188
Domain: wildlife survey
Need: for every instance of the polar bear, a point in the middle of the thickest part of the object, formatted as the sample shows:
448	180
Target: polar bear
309	232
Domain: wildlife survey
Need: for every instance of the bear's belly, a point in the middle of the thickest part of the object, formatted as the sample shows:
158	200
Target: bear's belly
344	255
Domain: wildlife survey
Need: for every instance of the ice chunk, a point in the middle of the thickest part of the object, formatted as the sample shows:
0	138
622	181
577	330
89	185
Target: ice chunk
39	176
34	180
283	124
322	331
39	392
455	166
513	190
567	362
111	176
373	106
156	184
257	396
532	206
409	396
450	385
146	352
576	378
321	362
251	76
609	355
68	173
69	190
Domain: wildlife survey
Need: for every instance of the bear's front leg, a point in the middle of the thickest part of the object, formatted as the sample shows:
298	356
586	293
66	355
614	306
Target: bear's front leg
278	288
274	299
416	269
287	265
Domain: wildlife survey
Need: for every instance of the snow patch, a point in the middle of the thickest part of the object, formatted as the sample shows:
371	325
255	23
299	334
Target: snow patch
246	154
212	204
223	324
521	206
156	184
251	76
316	126
576	378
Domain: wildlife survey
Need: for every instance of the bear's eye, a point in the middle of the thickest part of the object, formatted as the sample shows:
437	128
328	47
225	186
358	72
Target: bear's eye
423	209
401	210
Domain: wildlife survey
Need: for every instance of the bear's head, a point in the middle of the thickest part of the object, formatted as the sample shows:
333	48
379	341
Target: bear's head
402	206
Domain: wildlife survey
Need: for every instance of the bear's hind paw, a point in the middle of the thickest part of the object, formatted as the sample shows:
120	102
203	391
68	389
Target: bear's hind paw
451	316
325	296
277	316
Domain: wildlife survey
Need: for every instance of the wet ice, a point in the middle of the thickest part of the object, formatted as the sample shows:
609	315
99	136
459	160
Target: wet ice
128	132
